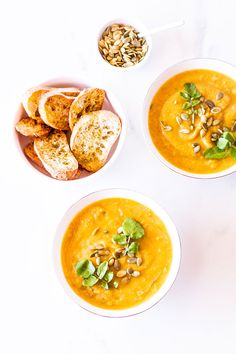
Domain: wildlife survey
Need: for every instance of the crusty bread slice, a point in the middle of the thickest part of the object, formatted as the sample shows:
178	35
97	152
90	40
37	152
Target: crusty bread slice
30	127
92	138
56	156
31	154
54	109
89	100
69	91
31	100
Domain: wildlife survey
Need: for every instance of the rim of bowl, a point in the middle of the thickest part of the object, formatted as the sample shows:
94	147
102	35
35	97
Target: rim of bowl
137	24
192	63
158	210
121	139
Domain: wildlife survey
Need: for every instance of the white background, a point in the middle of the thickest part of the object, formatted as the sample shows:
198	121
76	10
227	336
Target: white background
48	39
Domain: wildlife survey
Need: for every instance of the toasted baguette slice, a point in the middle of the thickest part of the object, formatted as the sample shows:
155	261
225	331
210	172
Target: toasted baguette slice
69	91
31	100
30	127
92	138
54	109
89	100
55	155
31	154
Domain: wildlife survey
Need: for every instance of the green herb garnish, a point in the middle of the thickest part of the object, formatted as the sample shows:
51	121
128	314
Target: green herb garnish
85	268
102	268
132	228
133	248
225	146
191	95
90	281
121	239
115	284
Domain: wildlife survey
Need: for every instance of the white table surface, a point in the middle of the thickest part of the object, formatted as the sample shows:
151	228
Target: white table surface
47	39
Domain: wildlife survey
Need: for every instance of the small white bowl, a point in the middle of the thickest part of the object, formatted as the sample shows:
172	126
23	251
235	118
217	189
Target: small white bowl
140	27
117	193
111	103
191	64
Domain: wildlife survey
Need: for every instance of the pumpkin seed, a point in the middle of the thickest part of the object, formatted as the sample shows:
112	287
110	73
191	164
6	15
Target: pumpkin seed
215	110
99	247
184	131
216	122
203	119
219	96
225	129
185	116
210	103
196	149
205	127
179	120
139	261
111	261
93	254
125	280
136	274
121	273
130	270
209	121
214	137
132	260
167	128
116	264
103	252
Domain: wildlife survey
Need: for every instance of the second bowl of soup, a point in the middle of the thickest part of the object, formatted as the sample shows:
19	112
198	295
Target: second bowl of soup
190	118
117	253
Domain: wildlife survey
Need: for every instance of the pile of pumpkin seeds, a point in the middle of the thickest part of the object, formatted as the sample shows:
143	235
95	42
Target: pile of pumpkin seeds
121	46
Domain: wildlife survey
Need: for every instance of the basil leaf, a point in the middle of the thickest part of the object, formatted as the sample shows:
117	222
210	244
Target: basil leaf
223	143
115	284
85	268
121	239
195	103
228	136
185	95
102	268
108	276
133	228
215	153
197	94
104	285
187	105
233	152
133	248
90	281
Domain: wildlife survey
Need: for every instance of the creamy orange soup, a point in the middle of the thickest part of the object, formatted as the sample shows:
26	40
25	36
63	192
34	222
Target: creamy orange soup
177	144
96	224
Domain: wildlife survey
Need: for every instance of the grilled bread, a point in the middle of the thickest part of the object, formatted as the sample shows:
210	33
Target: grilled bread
56	156
54	109
89	100
69	91
30	127
92	138
31	101
31	154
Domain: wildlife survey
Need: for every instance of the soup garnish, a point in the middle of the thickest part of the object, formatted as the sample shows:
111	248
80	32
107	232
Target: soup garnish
126	234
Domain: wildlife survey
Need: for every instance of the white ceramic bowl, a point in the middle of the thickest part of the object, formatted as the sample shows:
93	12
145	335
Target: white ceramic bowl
120	193
191	64
111	103
139	27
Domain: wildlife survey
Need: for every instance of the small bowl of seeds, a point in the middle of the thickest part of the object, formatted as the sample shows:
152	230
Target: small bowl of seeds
122	44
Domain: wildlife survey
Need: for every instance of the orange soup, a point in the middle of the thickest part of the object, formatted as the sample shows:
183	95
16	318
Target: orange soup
192	121
116	253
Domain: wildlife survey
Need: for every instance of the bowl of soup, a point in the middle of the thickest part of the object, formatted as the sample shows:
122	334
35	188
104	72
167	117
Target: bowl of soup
190	118
116	253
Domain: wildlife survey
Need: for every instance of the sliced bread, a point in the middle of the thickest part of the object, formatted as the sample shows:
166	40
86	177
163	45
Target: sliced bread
31	154
69	91
31	100
30	127
54	109
56	156
92	138
89	100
